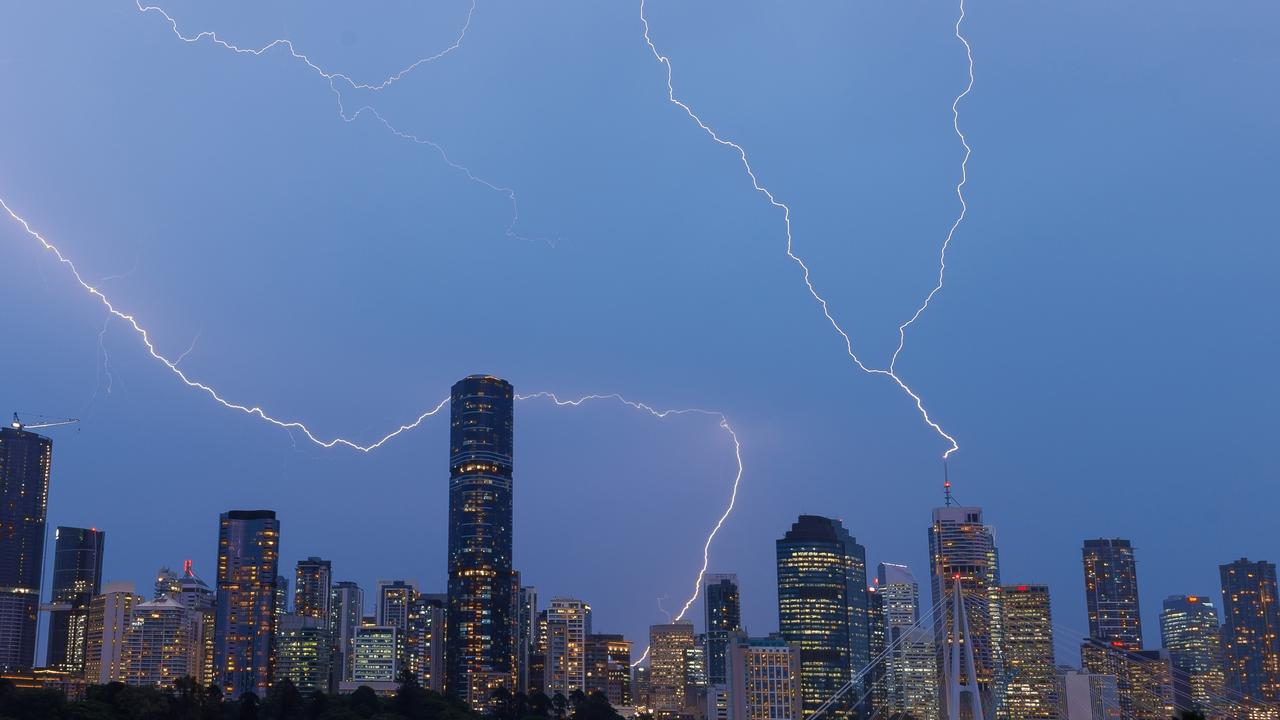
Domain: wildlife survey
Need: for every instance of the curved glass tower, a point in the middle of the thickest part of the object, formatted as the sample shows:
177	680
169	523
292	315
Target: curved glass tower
480	638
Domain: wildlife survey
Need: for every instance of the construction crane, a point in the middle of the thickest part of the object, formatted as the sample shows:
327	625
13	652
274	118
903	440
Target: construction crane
42	422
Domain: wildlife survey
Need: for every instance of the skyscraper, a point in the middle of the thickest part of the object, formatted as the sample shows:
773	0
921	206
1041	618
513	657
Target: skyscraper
424	640
1111	592
1251	629
200	602
822	605
910	667
77	578
346	608
25	459
245	614
668	648
393	601
480	628
526	634
304	653
724	615
312	585
1190	633
1026	644
962	547
568	625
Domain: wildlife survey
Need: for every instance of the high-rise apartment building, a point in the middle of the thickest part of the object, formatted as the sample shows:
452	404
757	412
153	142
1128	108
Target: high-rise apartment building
77	579
822	605
668	649
346	610
377	653
245	611
25	459
568	624
424	640
107	622
910	664
608	661
393	601
526	635
723	604
480	627
763	679
1026	643
1251	629
159	647
963	548
312	589
200	602
1144	679
1111	592
1190	633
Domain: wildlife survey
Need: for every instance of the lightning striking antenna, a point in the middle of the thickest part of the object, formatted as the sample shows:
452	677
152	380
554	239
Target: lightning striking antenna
790	248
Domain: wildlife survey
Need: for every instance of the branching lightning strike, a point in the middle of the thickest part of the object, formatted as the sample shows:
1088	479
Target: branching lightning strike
786	219
334	78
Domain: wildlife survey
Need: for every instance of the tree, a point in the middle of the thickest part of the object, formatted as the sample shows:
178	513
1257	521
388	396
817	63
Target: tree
249	705
559	705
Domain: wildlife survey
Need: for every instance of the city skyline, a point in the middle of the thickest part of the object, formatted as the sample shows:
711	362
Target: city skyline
1111	262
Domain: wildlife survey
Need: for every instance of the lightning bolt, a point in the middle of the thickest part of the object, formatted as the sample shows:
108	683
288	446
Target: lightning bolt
786	220
290	425
337	79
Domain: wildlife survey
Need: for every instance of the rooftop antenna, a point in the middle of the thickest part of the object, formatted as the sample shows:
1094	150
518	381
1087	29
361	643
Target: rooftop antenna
946	485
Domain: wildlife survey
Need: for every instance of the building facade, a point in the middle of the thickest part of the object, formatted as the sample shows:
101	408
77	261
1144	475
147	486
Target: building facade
1030	683
723	605
962	547
313	588
107	622
25	461
910	664
822	605
1251	629
424	641
346	609
77	579
304	653
159	647
609	668
1111	592
245	610
568	623
669	645
763	679
1190	633
480	627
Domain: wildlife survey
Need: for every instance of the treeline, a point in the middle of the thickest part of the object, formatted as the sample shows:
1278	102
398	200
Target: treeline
188	701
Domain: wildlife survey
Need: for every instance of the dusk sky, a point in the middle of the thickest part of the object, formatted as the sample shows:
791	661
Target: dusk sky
1104	351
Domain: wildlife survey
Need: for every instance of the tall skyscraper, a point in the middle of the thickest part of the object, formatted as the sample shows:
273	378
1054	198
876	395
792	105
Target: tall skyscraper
25	459
200	603
962	547
1189	631
723	616
109	616
480	628
1111	592
568	625
245	614
911	666
668	649
312	586
763	679
1030	682
346	608
876	677
1251	629
822	605
1144	681
77	579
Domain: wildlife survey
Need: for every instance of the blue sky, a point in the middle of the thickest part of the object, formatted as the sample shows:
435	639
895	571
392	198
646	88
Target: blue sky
1104	350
